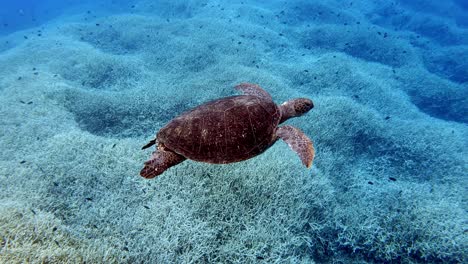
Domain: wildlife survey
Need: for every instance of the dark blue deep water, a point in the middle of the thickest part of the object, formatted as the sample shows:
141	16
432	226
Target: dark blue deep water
84	85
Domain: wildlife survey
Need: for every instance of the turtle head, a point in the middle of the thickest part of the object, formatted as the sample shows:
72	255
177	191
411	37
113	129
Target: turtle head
302	106
295	107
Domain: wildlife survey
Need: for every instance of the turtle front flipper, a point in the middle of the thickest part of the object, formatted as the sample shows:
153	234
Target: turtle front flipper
253	89
298	142
160	161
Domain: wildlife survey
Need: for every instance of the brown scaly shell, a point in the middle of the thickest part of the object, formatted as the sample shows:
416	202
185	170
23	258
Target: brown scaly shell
227	130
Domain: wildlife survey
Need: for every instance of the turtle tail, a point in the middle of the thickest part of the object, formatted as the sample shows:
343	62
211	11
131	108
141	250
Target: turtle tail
151	143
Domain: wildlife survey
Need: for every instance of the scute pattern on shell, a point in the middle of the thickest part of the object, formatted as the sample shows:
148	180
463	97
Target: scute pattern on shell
227	130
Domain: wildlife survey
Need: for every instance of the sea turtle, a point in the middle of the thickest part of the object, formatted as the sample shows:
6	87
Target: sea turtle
229	129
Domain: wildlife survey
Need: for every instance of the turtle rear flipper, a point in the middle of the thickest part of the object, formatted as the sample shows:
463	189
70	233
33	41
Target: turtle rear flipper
298	142
160	161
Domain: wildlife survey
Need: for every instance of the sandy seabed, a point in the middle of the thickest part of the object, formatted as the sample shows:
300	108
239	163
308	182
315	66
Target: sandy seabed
81	94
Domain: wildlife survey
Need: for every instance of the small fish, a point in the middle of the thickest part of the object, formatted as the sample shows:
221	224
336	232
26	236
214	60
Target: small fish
391	178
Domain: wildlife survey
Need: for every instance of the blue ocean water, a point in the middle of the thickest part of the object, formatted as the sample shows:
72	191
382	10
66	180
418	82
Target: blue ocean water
20	15
84	85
